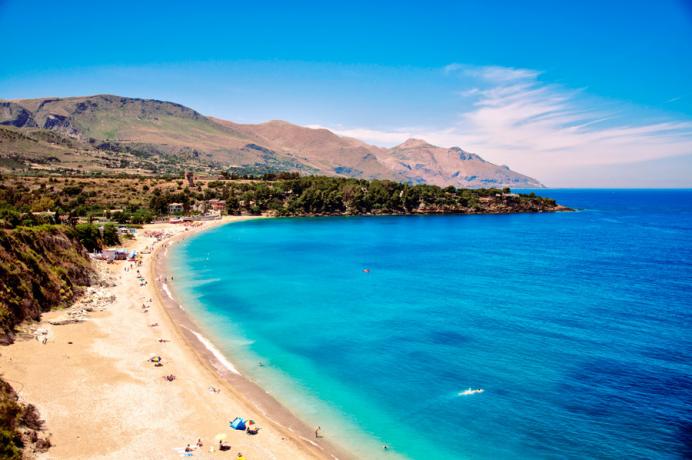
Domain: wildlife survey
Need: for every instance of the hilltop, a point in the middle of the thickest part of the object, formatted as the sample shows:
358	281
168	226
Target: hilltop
144	136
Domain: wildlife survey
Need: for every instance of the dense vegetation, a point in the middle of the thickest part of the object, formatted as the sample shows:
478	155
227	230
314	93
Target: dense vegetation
19	424
316	195
36	200
40	267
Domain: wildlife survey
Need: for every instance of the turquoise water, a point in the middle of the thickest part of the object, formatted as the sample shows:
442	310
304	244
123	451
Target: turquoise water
578	326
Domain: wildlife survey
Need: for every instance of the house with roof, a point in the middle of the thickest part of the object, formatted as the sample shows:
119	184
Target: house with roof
218	206
175	208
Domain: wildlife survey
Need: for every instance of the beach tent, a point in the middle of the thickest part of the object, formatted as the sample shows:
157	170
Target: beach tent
238	423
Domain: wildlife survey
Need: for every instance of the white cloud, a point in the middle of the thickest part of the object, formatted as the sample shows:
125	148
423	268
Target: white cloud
490	73
372	136
452	68
543	130
502	74
546	127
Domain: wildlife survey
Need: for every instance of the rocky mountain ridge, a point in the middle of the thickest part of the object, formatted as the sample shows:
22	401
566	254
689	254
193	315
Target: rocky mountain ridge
151	136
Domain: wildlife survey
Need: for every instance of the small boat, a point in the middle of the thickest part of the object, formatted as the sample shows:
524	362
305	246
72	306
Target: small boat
471	391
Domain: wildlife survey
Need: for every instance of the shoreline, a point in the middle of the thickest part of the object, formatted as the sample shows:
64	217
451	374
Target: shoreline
213	359
100	395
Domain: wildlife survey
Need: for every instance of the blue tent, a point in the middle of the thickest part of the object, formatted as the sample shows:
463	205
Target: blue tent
238	423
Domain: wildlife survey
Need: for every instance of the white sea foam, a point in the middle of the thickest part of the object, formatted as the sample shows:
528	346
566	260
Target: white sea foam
203	282
311	442
164	286
214	351
471	391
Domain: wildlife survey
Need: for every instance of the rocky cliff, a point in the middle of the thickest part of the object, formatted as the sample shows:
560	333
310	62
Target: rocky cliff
40	268
21	427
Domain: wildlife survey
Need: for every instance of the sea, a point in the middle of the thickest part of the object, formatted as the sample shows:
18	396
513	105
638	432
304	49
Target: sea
555	335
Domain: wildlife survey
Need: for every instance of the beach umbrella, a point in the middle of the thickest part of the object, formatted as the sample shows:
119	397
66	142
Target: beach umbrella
220	437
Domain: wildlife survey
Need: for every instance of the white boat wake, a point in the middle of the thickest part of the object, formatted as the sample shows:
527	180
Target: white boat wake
471	391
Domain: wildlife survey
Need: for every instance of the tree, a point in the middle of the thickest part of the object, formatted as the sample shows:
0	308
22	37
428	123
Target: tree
89	236
110	235
44	203
141	216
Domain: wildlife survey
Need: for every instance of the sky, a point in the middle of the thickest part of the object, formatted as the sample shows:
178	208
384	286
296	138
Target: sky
576	94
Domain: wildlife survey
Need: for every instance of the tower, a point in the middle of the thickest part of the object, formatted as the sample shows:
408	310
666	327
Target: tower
189	175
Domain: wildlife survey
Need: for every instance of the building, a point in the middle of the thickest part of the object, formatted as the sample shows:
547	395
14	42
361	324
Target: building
210	207
175	208
200	207
122	230
217	206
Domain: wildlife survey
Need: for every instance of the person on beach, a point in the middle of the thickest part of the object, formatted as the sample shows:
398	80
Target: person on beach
240	456
199	442
317	432
188	448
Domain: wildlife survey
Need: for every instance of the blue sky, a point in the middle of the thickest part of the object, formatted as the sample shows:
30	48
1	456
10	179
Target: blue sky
574	93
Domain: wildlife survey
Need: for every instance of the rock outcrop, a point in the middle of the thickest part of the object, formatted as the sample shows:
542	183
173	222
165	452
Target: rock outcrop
40	268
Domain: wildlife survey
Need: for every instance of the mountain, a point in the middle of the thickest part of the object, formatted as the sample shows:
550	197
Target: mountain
105	132
320	148
417	161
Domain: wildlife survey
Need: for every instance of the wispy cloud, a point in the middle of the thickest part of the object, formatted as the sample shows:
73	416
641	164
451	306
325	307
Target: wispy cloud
512	116
373	136
501	74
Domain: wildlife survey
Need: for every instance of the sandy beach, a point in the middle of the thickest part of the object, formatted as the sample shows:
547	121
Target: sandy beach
101	396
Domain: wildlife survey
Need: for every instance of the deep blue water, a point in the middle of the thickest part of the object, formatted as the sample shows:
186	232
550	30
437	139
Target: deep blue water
578	326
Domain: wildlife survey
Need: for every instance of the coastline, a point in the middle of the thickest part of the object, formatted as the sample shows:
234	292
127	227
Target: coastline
100	395
226	373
